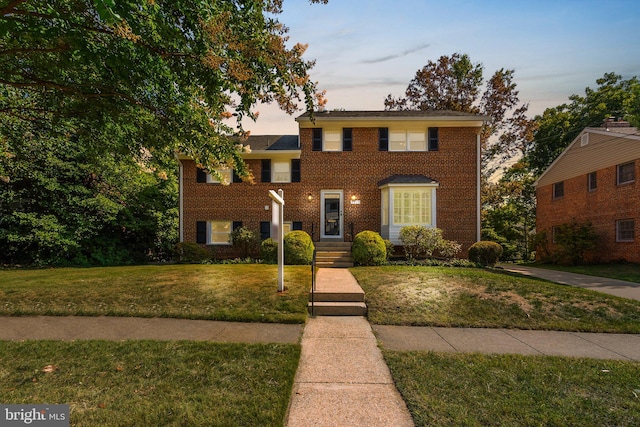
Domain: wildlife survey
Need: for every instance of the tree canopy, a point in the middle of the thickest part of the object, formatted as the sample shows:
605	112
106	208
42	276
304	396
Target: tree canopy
156	76
455	83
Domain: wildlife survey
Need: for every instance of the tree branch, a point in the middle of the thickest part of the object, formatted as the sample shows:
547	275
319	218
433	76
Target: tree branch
9	9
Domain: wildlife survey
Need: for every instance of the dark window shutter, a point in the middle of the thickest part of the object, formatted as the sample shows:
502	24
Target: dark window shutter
265	176
383	139
317	139
433	139
201	232
201	175
265	230
235	225
295	170
297	225
347	139
236	177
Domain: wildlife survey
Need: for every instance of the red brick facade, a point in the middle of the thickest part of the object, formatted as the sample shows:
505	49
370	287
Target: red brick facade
454	166
605	205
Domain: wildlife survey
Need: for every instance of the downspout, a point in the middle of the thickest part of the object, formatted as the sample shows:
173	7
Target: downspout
478	185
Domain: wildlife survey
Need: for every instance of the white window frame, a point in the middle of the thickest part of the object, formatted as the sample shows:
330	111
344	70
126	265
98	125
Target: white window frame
226	173
211	234
332	140
618	230
285	175
408	140
391	230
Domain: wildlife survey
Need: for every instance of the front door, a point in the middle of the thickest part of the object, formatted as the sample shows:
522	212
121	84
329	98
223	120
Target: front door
331	214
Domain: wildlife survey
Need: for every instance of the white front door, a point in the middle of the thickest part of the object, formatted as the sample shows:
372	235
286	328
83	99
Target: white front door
331	207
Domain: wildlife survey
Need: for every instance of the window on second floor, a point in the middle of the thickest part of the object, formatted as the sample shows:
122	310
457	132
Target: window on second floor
332	140
592	181
408	140
626	173
280	171
558	190
227	176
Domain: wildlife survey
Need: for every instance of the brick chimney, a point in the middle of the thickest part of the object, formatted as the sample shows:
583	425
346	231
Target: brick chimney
615	122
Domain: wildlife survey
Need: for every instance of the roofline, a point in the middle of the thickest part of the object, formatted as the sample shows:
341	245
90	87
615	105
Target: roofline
410	184
395	117
600	131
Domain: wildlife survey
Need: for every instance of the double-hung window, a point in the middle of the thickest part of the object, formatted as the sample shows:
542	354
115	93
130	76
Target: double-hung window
592	181
558	190
625	230
281	172
626	173
408	140
227	176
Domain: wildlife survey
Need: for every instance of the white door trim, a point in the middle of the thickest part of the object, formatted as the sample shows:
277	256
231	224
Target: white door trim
323	219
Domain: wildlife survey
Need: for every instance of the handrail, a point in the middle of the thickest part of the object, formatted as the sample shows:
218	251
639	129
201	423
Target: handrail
313	283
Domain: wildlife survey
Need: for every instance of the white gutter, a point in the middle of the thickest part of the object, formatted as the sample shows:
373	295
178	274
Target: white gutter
479	195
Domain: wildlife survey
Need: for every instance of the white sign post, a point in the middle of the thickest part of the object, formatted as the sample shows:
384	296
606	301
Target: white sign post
277	229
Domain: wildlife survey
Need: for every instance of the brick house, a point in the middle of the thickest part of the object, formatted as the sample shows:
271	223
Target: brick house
346	172
594	179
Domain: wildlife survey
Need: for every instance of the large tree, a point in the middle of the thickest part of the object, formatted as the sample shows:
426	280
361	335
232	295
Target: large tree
455	83
156	76
559	126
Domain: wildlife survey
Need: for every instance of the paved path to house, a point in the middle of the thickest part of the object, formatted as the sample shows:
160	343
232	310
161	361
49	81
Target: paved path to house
615	287
342	379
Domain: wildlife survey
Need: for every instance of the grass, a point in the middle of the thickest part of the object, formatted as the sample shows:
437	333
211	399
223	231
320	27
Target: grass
509	390
152	383
215	292
469	297
623	271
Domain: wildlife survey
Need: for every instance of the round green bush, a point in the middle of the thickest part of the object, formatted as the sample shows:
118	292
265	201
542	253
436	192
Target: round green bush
298	248
190	252
485	253
368	248
269	251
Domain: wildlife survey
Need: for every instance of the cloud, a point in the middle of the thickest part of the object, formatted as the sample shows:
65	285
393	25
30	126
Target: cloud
397	55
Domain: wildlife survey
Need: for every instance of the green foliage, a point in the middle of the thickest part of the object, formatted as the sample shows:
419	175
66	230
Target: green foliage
485	253
574	241
245	240
269	251
369	248
298	248
421	242
191	253
391	249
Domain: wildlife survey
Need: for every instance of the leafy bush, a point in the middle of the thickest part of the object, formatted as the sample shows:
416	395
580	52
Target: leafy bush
190	252
485	253
391	249
368	248
269	251
298	248
574	240
245	240
420	242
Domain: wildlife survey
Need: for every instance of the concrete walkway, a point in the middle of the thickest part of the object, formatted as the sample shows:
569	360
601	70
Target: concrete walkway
615	287
342	378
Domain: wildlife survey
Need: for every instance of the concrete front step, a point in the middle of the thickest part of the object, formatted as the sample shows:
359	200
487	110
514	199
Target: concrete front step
338	296
334	254
339	309
334	264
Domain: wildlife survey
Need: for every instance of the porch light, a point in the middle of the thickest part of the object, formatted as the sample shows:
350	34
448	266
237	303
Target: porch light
309	197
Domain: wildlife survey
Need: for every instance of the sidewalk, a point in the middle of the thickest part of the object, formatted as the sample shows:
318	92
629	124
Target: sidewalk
620	288
342	379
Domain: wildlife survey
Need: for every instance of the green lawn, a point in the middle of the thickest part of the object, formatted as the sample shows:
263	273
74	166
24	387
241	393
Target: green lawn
470	297
507	390
629	272
215	292
146	383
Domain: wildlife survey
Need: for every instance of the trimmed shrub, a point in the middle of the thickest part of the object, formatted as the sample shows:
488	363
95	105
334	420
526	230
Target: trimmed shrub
485	253
368	248
190	252
448	249
391	249
298	248
269	251
245	240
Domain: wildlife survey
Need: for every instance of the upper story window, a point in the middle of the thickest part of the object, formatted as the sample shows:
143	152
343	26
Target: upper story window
558	190
408	140
592	181
227	176
626	173
332	140
280	171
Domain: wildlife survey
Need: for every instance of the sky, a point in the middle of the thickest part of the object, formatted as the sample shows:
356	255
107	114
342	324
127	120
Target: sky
367	49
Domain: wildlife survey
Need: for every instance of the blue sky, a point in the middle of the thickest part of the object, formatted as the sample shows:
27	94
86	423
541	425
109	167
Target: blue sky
365	50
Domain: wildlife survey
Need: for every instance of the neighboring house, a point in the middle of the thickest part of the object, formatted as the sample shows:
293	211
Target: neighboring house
347	171
595	179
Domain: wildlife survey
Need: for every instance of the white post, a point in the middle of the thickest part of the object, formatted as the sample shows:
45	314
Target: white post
277	228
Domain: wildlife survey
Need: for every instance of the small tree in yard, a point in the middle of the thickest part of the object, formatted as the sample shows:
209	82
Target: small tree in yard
574	240
420	242
245	240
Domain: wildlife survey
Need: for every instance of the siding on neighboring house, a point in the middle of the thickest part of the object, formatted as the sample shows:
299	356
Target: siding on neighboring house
603	205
